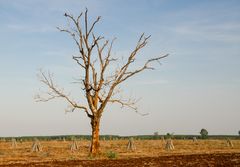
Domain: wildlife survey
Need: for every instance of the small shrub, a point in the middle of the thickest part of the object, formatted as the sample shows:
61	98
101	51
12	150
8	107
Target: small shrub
90	157
111	154
72	158
169	135
204	133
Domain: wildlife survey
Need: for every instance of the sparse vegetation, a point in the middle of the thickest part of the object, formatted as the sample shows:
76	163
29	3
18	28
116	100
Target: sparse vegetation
57	150
108	137
111	154
169	135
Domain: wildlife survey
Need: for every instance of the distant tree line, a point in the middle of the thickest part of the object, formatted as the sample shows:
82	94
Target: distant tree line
116	137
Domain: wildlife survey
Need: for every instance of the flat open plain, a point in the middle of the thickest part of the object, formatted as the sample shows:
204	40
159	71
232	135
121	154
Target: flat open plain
147	153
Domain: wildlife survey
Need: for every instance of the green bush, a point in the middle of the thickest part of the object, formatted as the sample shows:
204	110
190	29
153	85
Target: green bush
204	133
111	154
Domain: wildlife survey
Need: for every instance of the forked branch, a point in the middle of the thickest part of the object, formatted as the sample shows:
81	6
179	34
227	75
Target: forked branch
95	57
55	92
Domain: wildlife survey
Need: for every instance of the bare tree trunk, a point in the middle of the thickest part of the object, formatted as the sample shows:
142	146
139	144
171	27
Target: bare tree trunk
95	144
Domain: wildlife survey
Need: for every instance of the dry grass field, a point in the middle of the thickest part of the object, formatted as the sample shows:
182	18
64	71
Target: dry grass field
59	151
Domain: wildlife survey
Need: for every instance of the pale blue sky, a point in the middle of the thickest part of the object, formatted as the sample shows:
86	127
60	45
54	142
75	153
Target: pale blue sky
197	86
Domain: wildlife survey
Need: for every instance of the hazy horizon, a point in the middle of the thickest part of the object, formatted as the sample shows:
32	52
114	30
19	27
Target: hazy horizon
197	86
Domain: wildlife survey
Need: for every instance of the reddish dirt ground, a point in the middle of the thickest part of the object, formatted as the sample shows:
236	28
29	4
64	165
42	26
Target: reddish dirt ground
196	160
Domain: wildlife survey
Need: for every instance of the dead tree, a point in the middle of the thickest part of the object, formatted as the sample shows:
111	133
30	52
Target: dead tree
36	146
100	82
131	146
169	145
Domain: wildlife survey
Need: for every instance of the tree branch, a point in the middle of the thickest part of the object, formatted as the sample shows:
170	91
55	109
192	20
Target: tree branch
99	85
55	92
130	74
